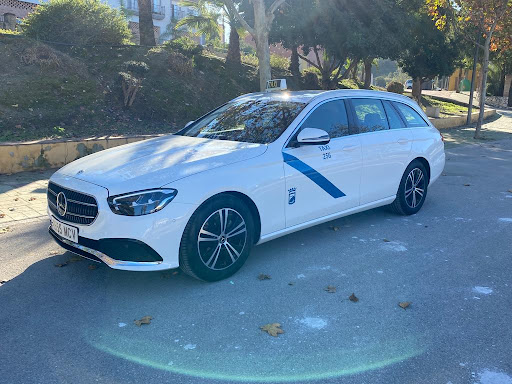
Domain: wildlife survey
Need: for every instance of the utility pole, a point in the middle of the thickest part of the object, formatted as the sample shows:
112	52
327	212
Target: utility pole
473	81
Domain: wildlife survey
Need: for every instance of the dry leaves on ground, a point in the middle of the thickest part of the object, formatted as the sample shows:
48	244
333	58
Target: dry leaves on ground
291	283
92	266
330	289
467	185
386	240
32	199
2	215
262	276
61	265
53	253
16	199
404	304
334	228
12	209
272	329
144	320
353	298
5	230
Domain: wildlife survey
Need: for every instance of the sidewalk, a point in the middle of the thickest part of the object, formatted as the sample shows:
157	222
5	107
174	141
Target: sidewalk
461	97
23	196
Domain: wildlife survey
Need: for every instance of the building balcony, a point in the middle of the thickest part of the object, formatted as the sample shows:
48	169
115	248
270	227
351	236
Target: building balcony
157	9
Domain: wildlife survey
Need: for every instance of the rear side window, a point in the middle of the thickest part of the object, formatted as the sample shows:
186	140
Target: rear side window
331	117
395	121
413	118
370	115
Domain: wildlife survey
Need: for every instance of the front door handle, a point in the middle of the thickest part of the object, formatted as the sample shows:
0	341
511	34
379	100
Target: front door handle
350	147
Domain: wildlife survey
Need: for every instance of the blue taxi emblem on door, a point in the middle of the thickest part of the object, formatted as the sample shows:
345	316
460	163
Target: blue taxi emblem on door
291	195
313	175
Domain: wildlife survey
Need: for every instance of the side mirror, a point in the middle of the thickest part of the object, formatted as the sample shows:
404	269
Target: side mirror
313	136
190	122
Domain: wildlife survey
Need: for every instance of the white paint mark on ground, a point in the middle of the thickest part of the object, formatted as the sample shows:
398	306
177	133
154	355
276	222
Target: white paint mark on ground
121	325
313	322
395	246
491	377
482	290
301	276
506	219
188	347
242	313
380	271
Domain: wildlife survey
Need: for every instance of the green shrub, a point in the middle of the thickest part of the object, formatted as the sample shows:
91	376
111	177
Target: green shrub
396	87
79	22
380	81
138	68
279	62
185	45
311	80
250	59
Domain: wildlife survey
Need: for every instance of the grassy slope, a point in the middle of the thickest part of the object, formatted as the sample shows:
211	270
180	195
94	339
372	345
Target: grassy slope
46	93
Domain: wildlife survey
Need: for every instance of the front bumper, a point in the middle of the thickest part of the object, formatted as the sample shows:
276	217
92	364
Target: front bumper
133	243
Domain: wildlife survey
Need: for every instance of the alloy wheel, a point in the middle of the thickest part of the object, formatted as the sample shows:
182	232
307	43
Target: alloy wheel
414	188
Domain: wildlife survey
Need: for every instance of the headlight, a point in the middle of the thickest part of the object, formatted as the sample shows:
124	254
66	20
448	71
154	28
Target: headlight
141	203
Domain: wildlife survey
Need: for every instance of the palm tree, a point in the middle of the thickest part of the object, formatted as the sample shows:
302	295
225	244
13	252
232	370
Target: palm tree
206	22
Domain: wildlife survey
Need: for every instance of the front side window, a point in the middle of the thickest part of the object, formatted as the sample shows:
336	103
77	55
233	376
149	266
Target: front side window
331	117
412	117
260	121
370	115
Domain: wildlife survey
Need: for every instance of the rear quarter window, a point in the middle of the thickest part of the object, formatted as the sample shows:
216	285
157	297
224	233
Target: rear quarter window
412	118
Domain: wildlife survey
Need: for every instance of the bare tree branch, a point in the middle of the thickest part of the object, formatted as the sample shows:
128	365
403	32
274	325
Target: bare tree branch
309	61
231	5
274	7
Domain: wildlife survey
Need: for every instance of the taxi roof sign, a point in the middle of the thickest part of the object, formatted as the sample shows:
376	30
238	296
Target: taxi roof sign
276	85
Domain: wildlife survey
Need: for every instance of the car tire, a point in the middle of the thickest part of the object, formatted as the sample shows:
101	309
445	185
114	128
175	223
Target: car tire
412	191
217	239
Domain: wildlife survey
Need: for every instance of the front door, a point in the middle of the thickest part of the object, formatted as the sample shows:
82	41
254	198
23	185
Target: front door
323	179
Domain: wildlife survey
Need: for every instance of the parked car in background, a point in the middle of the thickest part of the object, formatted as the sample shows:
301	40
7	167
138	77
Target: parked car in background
408	84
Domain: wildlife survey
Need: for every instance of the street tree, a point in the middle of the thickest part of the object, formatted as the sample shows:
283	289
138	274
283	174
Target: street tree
263	17
204	21
488	16
146	31
430	52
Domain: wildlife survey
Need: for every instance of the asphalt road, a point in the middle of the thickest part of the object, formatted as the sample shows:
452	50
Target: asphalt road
452	261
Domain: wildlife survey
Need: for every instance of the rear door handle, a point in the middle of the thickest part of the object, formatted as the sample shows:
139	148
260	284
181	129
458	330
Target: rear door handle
402	141
350	147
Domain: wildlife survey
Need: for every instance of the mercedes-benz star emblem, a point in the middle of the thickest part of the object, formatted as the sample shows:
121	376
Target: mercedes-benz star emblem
62	204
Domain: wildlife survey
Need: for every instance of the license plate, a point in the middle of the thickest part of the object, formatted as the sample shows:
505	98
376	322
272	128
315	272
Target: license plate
66	231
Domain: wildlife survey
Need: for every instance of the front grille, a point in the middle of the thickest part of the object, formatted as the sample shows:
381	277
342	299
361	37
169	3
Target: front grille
81	208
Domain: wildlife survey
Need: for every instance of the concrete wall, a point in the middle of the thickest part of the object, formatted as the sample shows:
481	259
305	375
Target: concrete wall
458	121
18	157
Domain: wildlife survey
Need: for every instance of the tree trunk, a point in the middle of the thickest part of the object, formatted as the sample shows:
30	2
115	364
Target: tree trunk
483	90
510	95
294	63
147	35
262	46
326	79
416	90
473	84
368	73
233	56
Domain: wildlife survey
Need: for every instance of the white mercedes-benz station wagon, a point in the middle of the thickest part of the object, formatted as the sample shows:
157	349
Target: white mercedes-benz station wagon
258	167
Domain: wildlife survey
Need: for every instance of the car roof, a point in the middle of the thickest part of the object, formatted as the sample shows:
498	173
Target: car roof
309	96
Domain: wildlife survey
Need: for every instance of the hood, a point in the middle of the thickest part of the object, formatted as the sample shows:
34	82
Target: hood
156	162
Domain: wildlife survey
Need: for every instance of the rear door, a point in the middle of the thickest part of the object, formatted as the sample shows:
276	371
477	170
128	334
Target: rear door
323	179
386	146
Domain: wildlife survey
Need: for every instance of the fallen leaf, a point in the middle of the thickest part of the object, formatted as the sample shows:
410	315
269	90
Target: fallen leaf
386	240
53	253
272	329
330	289
262	276
16	199
291	283
334	228
175	273
510	190
144	320
5	230
92	266
15	105
61	265
467	185
32	199
404	304
2	215
353	298
11	209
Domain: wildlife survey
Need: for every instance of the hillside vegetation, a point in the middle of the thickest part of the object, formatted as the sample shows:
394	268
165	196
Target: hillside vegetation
77	92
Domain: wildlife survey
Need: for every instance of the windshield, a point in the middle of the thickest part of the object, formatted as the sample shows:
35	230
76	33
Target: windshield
260	120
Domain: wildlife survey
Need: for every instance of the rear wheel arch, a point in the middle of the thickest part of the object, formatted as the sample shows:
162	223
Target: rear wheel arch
425	163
